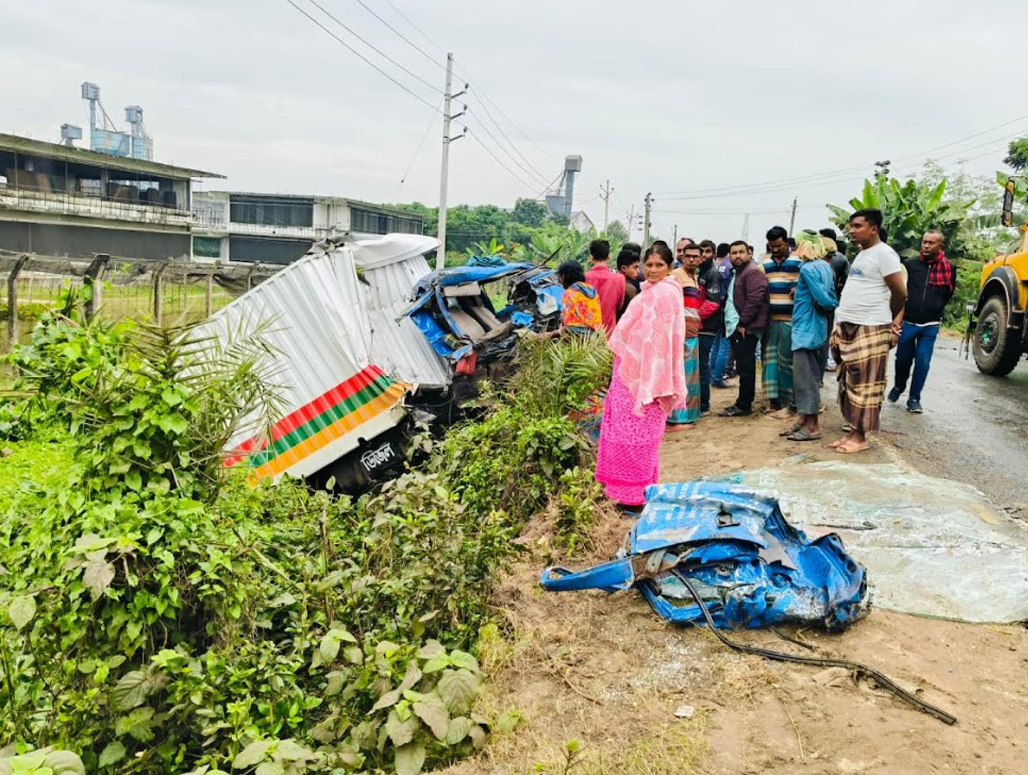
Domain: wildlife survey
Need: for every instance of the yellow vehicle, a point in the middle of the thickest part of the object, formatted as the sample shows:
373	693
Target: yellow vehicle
1000	325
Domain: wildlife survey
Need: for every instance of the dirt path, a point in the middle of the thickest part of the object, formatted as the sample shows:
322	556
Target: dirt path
605	671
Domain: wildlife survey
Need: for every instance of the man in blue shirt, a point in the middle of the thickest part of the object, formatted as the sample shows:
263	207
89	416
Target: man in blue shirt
815	299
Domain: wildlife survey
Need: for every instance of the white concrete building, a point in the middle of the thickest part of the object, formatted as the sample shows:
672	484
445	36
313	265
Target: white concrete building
280	228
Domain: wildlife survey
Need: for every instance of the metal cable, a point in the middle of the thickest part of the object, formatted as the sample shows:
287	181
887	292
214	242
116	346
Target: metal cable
868	672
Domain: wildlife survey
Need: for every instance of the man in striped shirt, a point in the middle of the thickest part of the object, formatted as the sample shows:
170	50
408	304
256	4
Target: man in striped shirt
783	271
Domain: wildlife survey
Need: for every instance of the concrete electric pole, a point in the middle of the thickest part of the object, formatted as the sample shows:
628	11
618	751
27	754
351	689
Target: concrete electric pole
792	218
607	190
646	222
444	174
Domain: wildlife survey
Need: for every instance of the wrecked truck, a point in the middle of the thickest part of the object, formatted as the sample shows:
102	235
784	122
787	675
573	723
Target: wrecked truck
352	359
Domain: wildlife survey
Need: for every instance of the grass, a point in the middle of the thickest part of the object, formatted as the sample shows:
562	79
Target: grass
31	466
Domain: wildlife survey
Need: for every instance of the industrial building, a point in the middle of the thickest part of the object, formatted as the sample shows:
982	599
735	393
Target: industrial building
280	228
59	200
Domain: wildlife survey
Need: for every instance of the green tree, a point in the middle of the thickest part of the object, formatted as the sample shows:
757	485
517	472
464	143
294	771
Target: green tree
909	209
616	233
1017	154
529	212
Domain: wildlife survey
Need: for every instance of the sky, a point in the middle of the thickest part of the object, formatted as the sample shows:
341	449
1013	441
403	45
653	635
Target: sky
718	109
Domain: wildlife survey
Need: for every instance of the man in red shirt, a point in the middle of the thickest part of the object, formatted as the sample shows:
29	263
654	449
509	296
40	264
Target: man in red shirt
610	285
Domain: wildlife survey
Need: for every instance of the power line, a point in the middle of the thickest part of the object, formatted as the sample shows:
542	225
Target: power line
793	186
403	37
482	91
499	128
417	152
374	48
499	161
744	188
367	61
513	158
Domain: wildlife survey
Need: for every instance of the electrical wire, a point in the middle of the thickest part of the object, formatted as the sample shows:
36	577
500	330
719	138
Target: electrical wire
499	161
513	158
417	152
403	37
374	48
844	170
481	91
360	56
499	128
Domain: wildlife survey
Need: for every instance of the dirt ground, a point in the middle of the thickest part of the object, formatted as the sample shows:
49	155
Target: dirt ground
605	671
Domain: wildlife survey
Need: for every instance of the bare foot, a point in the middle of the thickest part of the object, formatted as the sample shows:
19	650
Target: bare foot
678	427
853	447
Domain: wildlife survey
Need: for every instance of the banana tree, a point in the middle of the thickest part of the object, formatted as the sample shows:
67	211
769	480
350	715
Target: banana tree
491	248
908	211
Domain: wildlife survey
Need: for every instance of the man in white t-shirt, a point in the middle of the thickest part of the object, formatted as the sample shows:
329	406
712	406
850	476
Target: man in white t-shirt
867	325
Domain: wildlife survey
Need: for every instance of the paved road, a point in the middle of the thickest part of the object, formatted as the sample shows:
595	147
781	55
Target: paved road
974	428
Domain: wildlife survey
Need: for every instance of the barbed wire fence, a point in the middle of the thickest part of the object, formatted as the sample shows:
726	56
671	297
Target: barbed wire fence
165	292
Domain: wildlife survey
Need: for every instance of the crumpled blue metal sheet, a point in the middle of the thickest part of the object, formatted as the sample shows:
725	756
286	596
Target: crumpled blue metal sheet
750	566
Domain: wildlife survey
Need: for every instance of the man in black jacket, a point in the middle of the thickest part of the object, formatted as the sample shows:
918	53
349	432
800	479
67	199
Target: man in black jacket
931	283
711	316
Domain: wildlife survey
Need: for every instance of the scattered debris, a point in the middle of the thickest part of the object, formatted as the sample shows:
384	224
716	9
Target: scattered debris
685	711
752	567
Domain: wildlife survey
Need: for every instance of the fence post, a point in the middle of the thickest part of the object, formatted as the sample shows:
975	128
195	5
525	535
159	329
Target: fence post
208	294
12	301
94	281
249	275
158	289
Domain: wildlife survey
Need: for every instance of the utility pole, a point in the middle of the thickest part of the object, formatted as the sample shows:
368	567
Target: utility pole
646	222
746	227
631	222
606	205
792	218
674	241
444	174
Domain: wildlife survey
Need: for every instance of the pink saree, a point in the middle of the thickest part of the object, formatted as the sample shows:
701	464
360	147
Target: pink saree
648	382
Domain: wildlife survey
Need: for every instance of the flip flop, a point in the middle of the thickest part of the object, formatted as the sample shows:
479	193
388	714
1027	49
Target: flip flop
804	435
847	428
680	426
837	444
795	428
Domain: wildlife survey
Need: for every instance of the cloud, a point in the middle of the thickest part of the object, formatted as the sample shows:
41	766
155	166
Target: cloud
656	96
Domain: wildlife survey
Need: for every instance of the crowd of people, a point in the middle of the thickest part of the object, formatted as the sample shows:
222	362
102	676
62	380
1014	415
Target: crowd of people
682	323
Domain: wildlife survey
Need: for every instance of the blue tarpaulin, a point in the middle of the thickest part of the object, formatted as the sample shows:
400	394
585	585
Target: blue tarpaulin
750	566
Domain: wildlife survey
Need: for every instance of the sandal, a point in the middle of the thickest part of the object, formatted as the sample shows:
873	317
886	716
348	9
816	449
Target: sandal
735	411
676	427
847	428
794	429
804	435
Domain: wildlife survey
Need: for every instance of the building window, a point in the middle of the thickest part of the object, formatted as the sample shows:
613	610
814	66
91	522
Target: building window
271	210
207	247
372	222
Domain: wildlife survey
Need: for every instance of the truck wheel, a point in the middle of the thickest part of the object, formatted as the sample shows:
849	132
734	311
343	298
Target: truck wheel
996	350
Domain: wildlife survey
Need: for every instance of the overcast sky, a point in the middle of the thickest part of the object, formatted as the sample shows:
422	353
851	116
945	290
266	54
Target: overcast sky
656	95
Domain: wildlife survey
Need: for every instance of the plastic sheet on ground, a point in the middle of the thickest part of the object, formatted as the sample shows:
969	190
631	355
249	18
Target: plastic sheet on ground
932	547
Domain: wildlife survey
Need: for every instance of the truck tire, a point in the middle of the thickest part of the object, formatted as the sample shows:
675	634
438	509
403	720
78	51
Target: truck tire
996	347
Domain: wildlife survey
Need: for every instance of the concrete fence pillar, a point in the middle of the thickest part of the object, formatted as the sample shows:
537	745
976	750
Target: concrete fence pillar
12	300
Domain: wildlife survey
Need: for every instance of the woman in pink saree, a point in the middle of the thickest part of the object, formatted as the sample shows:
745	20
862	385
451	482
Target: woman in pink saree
647	384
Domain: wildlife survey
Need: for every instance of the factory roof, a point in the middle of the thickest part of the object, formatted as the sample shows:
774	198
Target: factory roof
72	155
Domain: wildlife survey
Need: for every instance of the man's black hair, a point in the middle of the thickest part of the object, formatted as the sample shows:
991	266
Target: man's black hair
723	249
739	242
599	249
707	243
627	257
570	272
695	247
661	242
830	233
872	216
634	247
776	233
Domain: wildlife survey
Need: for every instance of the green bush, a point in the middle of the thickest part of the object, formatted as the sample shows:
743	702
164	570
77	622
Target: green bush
159	615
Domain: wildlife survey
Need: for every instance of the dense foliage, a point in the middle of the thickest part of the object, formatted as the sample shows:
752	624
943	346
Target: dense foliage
528	232
160	615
